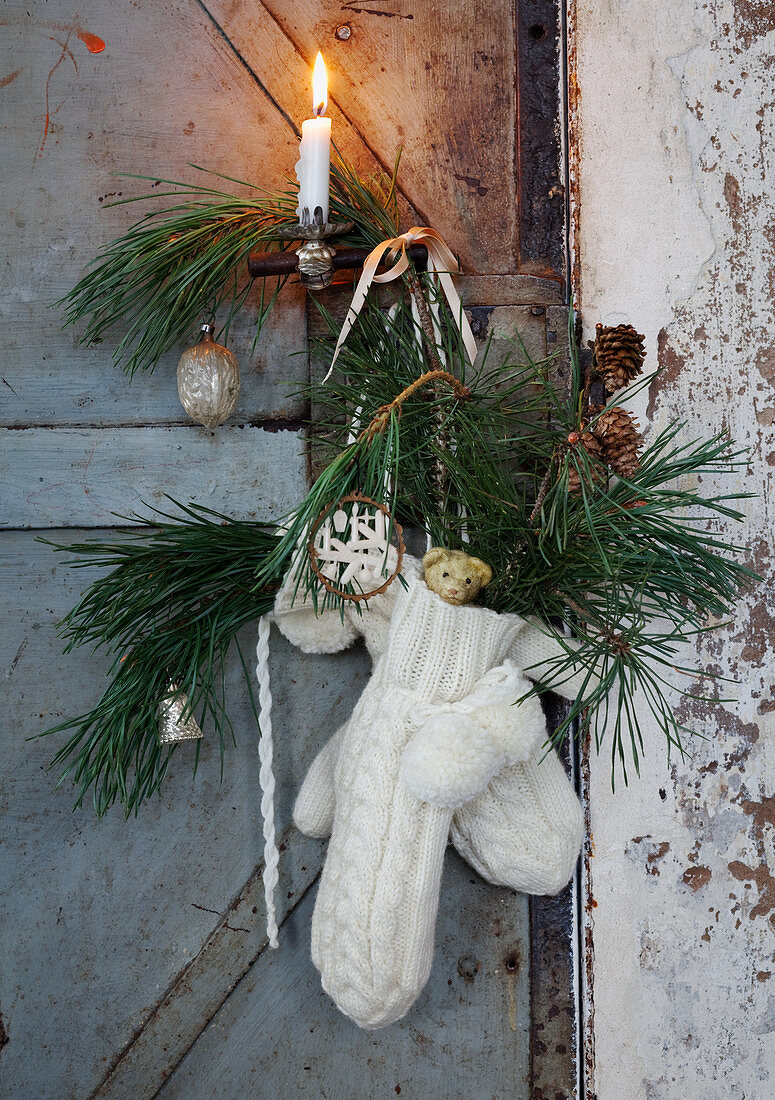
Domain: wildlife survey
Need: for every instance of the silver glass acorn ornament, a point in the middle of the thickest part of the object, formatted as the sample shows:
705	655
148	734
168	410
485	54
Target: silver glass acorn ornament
176	721
208	380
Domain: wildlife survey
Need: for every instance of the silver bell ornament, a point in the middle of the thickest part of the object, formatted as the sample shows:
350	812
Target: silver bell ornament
208	381
173	726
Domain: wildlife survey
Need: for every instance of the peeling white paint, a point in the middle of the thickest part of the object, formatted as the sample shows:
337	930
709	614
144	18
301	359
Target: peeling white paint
676	235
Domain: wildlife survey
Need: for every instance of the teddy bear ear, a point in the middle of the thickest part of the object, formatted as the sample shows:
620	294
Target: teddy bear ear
434	555
484	571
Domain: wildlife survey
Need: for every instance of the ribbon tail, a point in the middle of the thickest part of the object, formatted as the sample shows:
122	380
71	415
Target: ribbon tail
359	297
433	306
444	265
458	313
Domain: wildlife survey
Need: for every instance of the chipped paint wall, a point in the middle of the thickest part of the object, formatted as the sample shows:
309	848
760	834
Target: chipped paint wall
676	233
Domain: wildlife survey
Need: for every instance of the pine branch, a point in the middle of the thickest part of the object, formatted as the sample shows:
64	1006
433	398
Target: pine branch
168	611
608	559
186	261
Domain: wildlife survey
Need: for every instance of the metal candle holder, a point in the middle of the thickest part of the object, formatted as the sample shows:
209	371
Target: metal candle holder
265	265
316	266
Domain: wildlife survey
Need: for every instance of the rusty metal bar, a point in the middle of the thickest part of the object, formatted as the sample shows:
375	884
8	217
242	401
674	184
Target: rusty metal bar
261	264
540	175
555	1037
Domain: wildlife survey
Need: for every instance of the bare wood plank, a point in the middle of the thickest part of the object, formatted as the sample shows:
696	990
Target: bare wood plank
284	69
557	318
481	290
437	80
99	919
507	290
167	90
467	1035
503	325
71	477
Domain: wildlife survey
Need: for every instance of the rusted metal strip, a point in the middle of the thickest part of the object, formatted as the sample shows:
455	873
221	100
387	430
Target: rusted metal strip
554	1030
539	165
553	1027
587	934
263	264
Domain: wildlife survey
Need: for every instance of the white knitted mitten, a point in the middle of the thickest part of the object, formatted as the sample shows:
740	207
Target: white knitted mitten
525	831
435	731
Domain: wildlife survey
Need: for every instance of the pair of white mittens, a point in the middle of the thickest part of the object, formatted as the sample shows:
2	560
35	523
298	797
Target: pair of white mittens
415	764
524	831
517	822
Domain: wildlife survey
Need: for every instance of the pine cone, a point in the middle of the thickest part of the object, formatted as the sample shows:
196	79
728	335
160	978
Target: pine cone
594	448
619	437
619	354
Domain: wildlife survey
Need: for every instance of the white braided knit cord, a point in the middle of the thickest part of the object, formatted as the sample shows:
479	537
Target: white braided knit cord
266	777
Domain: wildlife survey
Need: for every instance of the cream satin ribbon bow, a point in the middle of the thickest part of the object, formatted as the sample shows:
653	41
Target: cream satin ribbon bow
441	263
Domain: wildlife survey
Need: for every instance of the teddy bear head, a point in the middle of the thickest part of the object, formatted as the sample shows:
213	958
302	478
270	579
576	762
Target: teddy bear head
454	575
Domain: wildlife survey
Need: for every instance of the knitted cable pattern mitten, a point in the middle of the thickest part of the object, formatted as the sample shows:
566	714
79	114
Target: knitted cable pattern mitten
374	920
435	732
525	830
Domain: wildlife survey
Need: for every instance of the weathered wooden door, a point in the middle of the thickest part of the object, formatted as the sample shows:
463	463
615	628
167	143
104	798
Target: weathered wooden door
134	959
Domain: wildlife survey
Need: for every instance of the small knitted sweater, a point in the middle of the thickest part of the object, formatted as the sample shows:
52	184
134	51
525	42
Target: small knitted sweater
434	743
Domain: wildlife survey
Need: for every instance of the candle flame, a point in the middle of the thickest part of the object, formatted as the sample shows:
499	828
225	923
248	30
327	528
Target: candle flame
319	86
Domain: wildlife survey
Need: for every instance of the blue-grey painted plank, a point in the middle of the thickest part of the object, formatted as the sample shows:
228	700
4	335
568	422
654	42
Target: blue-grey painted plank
196	994
167	90
279	1035
79	385
72	477
98	919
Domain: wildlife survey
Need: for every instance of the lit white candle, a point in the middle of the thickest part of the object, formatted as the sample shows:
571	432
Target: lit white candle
314	164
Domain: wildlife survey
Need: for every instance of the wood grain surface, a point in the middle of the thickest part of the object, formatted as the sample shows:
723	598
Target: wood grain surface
134	952
111	927
87	477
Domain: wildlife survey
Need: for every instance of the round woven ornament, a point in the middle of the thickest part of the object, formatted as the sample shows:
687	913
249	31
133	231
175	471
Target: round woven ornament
356	542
